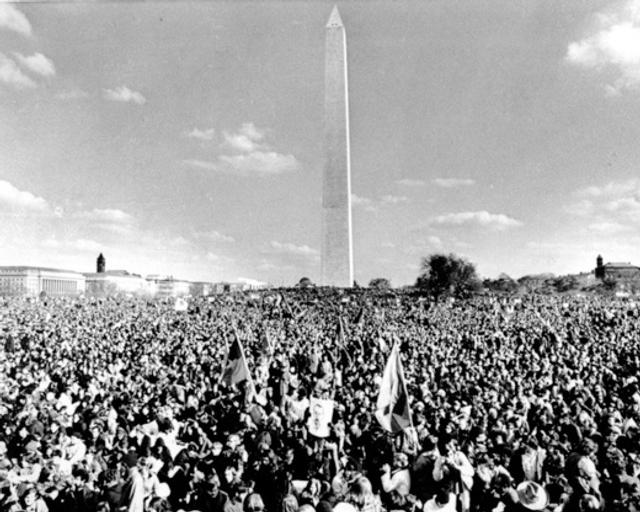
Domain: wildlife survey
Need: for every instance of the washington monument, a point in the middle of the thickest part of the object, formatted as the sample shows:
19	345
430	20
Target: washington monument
337	245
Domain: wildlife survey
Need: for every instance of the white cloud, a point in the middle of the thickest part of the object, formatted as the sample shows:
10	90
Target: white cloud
37	63
180	241
248	155
13	198
12	75
495	221
258	162
611	189
247	139
125	95
371	205
614	45
108	215
608	227
216	236
363	202
13	19
390	199
72	94
357	200
434	241
111	220
610	208
293	249
207	134
580	208
453	182
407	182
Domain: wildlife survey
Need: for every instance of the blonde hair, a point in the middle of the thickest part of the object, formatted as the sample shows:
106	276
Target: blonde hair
361	492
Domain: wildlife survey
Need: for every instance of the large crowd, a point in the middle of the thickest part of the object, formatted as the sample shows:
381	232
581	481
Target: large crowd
517	404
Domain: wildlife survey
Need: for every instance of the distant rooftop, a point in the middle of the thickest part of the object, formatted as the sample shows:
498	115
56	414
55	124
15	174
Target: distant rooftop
620	264
17	268
119	273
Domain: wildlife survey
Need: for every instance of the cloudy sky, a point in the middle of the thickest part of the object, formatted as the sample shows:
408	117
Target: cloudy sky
186	138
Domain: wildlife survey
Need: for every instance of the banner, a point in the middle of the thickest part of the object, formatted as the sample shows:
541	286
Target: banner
321	413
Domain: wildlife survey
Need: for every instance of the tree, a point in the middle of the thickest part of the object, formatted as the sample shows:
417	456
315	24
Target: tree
305	282
444	274
566	283
503	284
380	283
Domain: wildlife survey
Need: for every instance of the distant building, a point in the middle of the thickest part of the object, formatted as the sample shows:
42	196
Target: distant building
101	264
105	283
34	281
113	282
228	287
616	270
202	289
251	284
170	287
218	288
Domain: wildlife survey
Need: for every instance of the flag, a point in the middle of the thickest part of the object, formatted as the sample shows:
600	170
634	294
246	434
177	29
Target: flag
341	339
287	307
235	369
267	344
392	408
340	333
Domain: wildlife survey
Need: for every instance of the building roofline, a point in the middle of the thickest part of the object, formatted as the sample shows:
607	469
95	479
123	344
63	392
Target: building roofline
42	269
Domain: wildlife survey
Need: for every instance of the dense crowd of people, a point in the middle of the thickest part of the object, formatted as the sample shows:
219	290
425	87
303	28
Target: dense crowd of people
517	404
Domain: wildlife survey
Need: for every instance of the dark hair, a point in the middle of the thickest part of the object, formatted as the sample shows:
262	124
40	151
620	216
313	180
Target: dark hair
442	496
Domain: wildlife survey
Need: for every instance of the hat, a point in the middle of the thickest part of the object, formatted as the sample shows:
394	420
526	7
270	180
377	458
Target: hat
344	507
163	491
437	503
532	496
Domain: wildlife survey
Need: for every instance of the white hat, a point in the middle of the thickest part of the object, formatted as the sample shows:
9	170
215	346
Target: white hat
344	507
532	496
433	506
163	490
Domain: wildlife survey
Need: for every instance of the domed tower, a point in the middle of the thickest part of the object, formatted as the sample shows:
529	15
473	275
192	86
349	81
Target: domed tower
599	272
101	264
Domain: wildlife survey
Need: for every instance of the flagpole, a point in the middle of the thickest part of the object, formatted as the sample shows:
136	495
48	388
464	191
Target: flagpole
226	358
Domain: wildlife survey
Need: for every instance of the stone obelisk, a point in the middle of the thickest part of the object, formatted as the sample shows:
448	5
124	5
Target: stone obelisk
337	245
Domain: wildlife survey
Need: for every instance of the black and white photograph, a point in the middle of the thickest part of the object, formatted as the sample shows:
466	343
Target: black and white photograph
308	256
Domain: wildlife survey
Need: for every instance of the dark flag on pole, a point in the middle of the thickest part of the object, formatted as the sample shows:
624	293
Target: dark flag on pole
236	369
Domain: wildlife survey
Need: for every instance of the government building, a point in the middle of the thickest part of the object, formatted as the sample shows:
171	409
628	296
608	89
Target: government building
37	281
616	270
22	281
